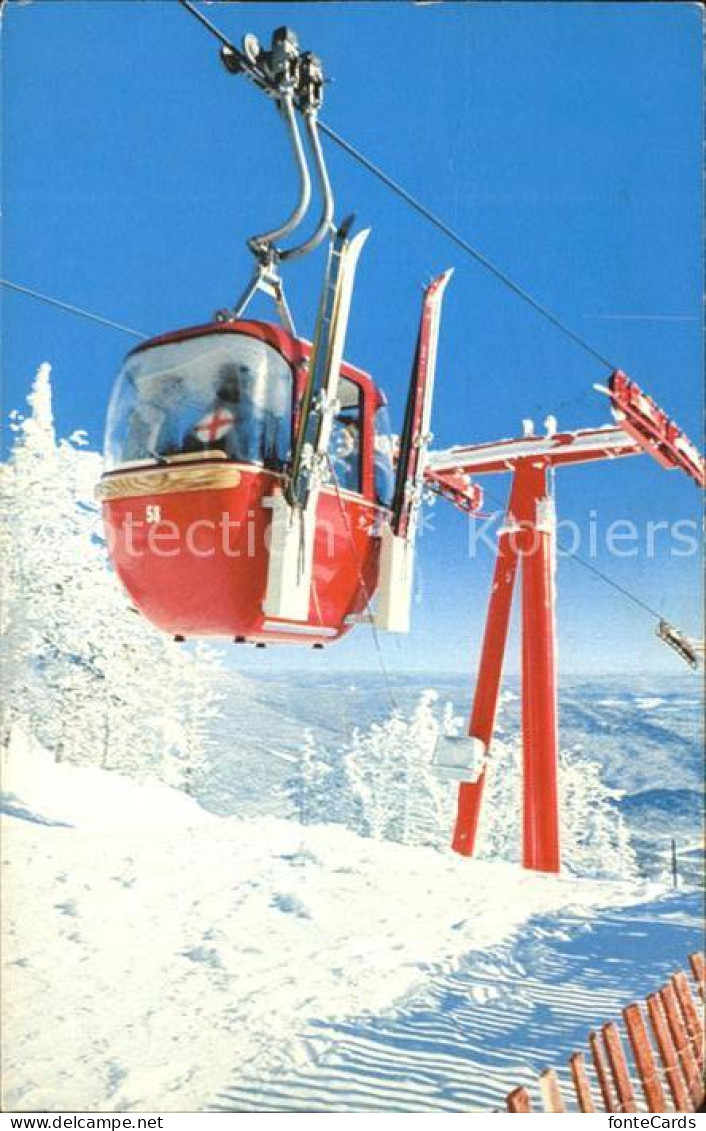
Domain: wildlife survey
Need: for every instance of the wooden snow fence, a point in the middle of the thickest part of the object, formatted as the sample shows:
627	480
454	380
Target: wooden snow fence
666	1037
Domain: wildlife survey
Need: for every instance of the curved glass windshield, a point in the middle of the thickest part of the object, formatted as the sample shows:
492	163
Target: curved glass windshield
216	393
384	458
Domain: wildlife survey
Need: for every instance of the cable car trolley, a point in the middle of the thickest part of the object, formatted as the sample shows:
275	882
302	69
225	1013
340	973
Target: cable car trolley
250	490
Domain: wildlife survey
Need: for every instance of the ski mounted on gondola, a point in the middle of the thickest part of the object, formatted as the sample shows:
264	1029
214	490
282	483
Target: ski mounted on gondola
399	533
319	403
294	510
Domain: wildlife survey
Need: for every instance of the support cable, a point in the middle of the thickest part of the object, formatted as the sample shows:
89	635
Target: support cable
72	309
464	244
247	68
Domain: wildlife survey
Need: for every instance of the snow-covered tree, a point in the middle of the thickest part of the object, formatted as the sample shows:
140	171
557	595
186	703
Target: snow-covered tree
593	830
90	679
595	839
312	787
376	770
395	794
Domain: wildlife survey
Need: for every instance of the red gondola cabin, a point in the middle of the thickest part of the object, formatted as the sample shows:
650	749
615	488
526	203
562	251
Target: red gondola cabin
199	440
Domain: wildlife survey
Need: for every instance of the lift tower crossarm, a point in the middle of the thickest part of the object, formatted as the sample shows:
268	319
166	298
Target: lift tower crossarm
648	424
641	427
582	446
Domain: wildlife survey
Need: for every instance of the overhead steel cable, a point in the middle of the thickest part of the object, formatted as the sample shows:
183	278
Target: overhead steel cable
245	66
252	73
609	581
464	244
72	309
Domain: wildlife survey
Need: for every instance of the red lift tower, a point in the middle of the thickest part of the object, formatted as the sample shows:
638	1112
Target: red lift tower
527	545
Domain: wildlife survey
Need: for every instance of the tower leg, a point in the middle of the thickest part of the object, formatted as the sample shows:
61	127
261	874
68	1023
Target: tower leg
539	688
485	701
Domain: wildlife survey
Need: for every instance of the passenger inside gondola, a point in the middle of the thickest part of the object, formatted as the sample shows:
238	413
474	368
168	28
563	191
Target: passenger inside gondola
231	424
227	393
230	395
345	437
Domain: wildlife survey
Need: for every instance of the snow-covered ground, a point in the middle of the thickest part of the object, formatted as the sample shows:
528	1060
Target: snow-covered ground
295	934
466	1036
158	957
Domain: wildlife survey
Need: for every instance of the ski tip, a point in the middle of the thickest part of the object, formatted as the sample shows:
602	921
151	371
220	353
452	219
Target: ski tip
343	232
361	236
439	282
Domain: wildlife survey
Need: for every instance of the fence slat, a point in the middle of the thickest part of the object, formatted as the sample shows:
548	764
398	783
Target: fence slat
644	1058
685	1053
698	969
602	1075
518	1101
618	1067
550	1091
669	1050
577	1064
668	1054
690	1013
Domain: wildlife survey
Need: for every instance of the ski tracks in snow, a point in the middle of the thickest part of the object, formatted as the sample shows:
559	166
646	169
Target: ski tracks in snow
468	1036
159	958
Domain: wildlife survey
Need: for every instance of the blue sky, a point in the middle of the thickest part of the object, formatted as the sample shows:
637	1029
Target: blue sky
564	140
